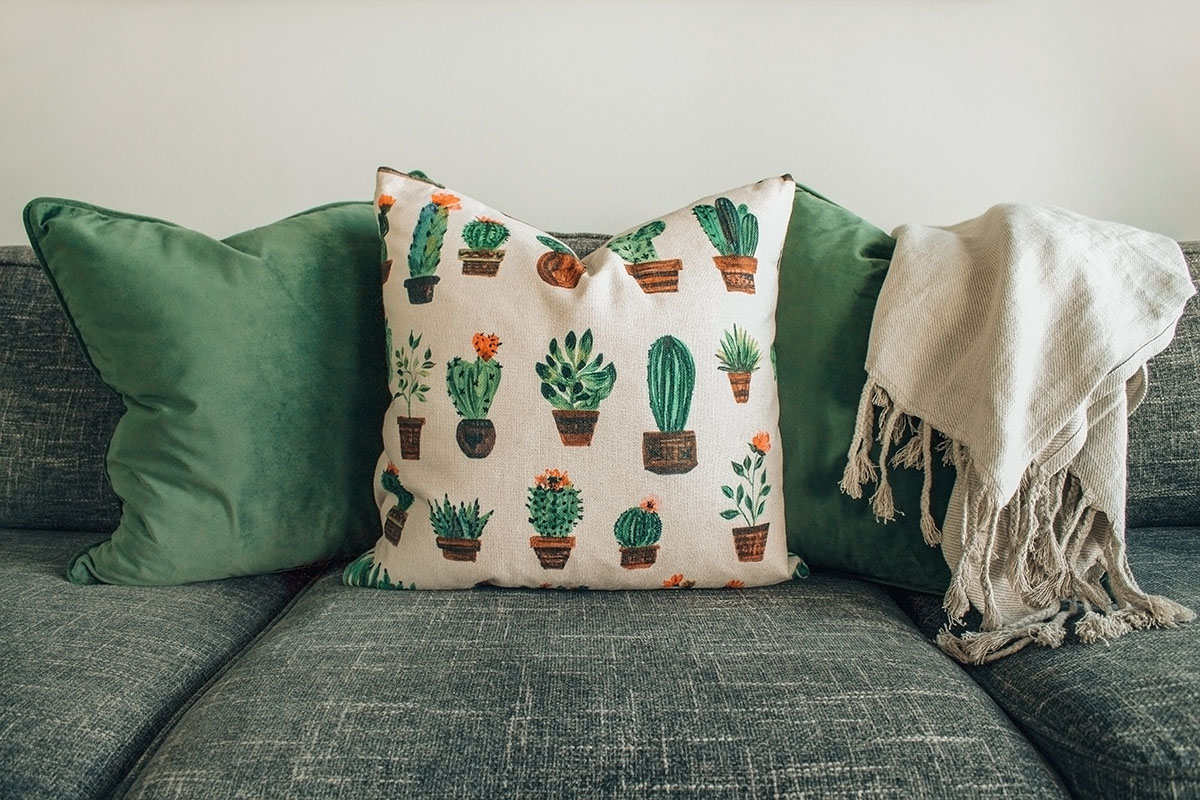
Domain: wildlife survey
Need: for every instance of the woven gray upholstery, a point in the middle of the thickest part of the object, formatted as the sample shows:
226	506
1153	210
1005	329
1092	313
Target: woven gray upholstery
88	674
55	414
818	689
1164	433
1119	721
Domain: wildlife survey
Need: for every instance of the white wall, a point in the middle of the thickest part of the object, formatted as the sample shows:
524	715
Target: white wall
594	115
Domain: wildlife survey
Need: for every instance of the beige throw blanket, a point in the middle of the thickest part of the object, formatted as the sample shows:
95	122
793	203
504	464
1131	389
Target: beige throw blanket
1014	345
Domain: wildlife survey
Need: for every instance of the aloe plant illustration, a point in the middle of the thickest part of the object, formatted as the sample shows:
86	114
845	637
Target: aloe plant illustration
671	379
574	383
750	500
559	266
472	386
384	203
733	231
642	261
554	510
482	255
425	251
638	530
411	370
458	528
739	356
393	524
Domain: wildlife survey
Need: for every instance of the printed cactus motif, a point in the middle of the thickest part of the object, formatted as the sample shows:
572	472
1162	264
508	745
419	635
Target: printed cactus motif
461	522
389	479
637	247
639	526
671	375
571	381
424	254
483	233
472	384
554	504
733	230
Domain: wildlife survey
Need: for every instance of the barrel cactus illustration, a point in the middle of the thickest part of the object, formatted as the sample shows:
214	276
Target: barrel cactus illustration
733	231
638	530
671	379
483	237
555	509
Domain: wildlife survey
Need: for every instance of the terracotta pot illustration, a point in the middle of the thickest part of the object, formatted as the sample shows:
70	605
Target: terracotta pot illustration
639	557
393	525
750	543
420	290
669	453
481	262
738	272
560	269
458	549
552	551
410	437
575	428
657	276
386	269
740	383
476	437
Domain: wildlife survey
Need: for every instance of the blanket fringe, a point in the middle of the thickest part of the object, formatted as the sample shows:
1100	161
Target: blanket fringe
1046	526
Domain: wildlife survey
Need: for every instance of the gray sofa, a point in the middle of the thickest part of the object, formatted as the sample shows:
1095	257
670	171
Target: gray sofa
293	686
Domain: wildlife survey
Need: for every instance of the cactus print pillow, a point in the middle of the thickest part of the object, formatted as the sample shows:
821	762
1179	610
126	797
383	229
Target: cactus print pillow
608	422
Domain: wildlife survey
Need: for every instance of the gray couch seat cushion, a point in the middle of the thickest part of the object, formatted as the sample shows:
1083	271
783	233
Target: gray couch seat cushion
820	688
1121	720
89	674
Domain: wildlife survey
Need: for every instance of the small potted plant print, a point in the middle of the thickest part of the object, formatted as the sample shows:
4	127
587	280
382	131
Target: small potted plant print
472	386
738	357
671	374
384	203
425	252
554	510
733	230
367	573
457	528
412	370
393	524
638	530
750	500
483	237
574	386
642	261
559	266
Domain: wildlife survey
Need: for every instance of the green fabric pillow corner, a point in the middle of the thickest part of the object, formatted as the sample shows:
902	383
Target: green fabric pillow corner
831	270
253	377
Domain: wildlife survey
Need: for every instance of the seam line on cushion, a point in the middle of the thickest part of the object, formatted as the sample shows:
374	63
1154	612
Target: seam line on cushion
122	787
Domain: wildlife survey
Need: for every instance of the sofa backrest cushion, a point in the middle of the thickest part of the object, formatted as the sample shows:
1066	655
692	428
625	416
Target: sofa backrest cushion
1164	432
56	416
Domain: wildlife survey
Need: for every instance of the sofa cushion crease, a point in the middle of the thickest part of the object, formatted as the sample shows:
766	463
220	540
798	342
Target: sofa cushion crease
90	674
1116	720
808	689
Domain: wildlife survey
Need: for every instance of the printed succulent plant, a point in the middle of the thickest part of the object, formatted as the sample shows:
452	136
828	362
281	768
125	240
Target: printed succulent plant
424	254
472	384
570	381
483	233
739	352
461	522
671	375
639	526
637	247
389	479
733	230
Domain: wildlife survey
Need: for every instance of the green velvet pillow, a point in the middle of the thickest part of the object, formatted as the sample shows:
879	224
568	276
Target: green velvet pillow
832	267
253	380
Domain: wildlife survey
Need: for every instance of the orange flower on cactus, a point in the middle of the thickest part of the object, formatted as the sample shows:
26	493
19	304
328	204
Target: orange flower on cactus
489	220
673	581
553	480
392	469
735	584
761	443
650	504
386	200
485	345
445	200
